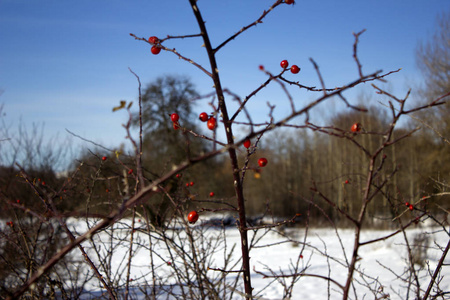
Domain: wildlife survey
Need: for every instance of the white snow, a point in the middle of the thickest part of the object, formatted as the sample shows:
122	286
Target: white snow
325	252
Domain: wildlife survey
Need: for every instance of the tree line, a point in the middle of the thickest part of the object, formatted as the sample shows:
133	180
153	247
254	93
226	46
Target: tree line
298	160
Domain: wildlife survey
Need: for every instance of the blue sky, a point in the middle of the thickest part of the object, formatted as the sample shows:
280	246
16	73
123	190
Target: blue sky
65	63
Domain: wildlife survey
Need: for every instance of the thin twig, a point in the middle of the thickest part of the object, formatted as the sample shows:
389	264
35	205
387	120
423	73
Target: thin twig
243	29
355	52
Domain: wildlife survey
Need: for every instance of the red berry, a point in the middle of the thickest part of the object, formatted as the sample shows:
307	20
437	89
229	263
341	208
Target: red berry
347	181
155	50
203	117
211	194
192	217
284	64
192	183
295	69
247	143
104	158
178	175
169	263
262	162
130	171
407	203
153	39
187	184
288	1
411	207
356	127
174	117
212	123
261	67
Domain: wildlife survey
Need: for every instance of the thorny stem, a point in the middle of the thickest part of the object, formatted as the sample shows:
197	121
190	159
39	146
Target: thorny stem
355	51
264	14
301	274
436	271
231	151
356	243
130	255
138	150
196	261
176	53
322	82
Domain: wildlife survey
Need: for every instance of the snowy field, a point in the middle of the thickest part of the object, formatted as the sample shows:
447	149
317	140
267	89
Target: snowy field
315	253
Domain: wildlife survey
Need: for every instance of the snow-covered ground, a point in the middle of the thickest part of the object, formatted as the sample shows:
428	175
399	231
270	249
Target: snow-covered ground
315	253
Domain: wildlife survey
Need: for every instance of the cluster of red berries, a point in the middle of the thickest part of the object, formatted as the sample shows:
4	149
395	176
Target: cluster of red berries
10	224
211	121
262	162
285	64
409	205
189	184
156	48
